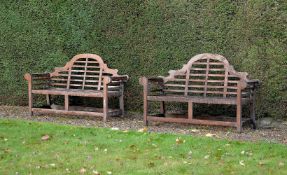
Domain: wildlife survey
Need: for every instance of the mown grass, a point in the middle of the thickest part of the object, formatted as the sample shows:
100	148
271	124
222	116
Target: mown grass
75	150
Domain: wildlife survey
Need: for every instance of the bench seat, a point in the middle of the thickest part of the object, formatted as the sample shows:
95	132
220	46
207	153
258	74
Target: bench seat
76	92
194	99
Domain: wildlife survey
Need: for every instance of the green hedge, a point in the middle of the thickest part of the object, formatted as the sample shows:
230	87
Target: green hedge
145	38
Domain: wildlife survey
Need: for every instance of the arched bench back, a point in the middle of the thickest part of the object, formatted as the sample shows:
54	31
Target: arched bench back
205	75
84	71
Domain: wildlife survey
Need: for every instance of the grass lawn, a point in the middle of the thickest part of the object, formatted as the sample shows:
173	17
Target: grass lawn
79	150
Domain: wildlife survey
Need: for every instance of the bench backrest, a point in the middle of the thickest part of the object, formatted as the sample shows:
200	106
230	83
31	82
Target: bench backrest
83	71
205	75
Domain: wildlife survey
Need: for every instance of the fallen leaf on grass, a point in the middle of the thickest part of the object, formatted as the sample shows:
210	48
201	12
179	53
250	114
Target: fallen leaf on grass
179	140
210	135
95	172
45	137
281	164
114	128
52	165
109	172
143	129
206	157
241	162
82	171
194	130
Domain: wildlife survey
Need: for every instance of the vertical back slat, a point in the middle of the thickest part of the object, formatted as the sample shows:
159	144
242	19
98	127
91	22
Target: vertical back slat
69	77
100	79
206	77
187	81
85	73
225	82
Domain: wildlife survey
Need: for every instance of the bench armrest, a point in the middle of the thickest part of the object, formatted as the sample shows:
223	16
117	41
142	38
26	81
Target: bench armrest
142	80
37	76
123	78
253	84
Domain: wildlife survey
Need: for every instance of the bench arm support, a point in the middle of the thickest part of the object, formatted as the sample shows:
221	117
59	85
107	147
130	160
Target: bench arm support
146	81
253	84
35	77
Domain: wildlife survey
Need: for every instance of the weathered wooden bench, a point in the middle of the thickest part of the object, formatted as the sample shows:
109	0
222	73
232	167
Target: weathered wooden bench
85	75
205	79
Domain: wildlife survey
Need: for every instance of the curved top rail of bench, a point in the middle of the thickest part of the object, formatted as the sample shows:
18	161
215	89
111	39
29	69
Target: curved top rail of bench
229	68
69	64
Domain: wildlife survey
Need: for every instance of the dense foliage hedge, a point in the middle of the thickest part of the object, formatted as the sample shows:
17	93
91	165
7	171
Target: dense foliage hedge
145	37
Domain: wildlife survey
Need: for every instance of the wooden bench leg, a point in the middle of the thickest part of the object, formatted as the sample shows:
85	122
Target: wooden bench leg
252	110
121	100
122	105
239	117
66	102
145	101
105	108
190	110
252	114
48	99
30	96
30	104
162	108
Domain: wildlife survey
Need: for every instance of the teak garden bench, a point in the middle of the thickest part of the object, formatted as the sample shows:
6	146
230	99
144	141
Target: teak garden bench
85	75
206	78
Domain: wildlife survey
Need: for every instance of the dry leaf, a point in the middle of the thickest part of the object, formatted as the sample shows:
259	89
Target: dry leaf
194	130
83	170
206	157
143	129
52	165
241	162
242	152
179	140
114	128
281	164
95	172
210	135
109	172
45	137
